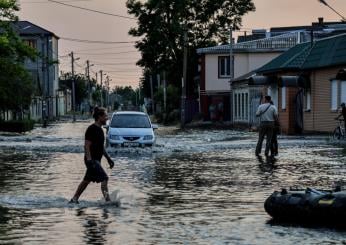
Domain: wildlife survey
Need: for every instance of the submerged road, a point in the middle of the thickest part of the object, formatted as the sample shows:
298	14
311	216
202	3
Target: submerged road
193	187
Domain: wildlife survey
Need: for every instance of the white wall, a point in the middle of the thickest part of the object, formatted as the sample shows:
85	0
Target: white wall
213	83
243	63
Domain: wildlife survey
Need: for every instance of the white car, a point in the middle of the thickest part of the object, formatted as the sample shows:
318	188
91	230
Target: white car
130	128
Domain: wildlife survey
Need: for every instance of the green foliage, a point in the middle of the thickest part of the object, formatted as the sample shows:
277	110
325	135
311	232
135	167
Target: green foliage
81	86
173	97
16	87
127	94
161	27
17	126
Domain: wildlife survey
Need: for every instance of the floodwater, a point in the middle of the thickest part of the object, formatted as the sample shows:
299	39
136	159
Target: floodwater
194	187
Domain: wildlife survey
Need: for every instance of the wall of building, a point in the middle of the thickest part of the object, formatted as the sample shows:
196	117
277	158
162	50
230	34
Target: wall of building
213	82
321	117
246	62
243	63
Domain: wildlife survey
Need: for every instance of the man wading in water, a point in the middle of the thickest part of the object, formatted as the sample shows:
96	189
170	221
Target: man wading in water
94	150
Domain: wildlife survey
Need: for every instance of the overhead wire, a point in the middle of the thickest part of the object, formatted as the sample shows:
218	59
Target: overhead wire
109	53
92	10
128	46
93	41
45	2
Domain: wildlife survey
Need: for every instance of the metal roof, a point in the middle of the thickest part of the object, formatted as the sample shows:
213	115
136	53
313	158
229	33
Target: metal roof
327	52
278	43
28	28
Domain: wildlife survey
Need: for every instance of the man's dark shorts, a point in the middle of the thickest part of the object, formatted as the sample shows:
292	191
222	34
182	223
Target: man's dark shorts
95	172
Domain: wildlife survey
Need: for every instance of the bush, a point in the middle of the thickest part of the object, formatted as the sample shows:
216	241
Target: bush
17	126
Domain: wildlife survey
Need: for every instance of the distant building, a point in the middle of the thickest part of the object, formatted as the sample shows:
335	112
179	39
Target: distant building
44	70
316	30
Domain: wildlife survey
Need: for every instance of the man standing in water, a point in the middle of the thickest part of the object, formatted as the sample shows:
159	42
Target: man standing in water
267	113
94	150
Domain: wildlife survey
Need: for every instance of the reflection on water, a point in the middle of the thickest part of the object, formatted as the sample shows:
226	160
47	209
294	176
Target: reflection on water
194	187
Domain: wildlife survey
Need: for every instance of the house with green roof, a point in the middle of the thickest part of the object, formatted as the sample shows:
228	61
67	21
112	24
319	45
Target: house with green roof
311	83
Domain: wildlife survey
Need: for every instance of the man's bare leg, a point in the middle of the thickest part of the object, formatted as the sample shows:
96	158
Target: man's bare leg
104	189
82	186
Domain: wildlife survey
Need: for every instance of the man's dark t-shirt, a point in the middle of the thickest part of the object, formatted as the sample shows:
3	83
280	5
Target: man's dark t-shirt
96	136
343	112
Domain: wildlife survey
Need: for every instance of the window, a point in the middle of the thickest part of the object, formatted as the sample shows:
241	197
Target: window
31	43
224	66
283	98
239	105
308	100
235	105
246	105
242	106
334	95
343	92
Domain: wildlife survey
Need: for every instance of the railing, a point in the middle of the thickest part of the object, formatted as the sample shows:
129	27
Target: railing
284	41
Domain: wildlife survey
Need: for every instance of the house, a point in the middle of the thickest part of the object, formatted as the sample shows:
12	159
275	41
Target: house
247	56
311	84
252	86
44	70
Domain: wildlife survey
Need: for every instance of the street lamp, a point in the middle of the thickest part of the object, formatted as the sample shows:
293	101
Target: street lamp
325	3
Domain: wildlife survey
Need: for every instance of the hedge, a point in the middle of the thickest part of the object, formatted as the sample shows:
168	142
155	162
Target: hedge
17	126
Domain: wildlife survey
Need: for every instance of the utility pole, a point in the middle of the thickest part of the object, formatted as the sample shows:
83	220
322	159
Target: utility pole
231	71
183	89
152	95
164	94
89	83
73	87
101	76
107	89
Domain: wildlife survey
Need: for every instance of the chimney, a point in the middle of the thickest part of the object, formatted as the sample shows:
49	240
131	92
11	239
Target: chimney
320	21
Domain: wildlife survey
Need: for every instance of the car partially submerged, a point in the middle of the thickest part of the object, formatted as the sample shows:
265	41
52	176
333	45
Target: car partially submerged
130	129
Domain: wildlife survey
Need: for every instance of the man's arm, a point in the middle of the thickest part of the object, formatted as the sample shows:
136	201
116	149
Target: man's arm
258	112
109	159
87	145
106	154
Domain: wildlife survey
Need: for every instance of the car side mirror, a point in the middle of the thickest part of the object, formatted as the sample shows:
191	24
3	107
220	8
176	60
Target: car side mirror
154	126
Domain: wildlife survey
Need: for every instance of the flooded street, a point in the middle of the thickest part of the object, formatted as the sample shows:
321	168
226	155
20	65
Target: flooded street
193	187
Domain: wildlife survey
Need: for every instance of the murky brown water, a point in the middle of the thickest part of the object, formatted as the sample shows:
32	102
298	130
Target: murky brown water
196	187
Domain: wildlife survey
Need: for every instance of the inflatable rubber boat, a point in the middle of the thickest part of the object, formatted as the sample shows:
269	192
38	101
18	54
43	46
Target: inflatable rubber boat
307	205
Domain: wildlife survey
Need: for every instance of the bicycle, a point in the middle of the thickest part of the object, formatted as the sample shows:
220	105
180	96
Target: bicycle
339	131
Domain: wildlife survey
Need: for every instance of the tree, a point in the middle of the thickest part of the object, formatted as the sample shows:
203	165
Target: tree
161	27
81	88
16	87
127	94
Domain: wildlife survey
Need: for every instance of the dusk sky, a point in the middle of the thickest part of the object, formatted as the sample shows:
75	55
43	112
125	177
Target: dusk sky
118	60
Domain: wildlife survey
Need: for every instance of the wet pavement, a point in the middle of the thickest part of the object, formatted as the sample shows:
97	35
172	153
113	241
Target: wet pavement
193	187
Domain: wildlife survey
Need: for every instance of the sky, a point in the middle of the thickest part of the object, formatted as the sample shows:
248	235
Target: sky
118	60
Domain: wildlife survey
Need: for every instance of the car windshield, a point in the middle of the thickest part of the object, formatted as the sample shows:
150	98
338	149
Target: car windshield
130	121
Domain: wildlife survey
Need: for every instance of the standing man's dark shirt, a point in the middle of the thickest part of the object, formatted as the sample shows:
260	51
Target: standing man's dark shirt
95	135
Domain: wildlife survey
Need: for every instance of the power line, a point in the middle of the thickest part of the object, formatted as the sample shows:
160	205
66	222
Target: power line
116	58
128	46
129	70
92	41
125	52
45	2
128	63
91	10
